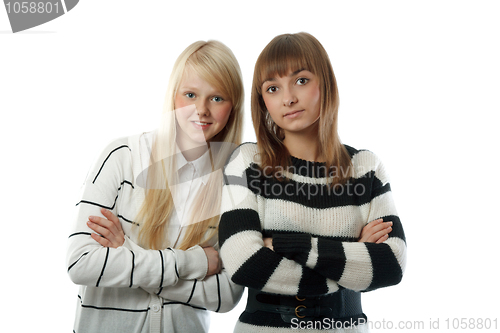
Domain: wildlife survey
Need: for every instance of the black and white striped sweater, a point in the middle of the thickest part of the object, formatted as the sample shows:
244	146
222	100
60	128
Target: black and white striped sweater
315	229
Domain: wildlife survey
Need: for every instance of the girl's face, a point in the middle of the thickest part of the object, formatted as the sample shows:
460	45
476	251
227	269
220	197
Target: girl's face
201	110
293	101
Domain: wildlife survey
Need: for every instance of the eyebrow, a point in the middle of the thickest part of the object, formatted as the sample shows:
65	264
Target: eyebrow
292	74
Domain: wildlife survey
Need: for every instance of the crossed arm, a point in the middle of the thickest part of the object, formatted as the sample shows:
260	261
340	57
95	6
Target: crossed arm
109	233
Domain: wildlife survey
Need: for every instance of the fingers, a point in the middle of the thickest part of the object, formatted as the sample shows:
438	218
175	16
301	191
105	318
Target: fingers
214	262
383	238
268	242
114	227
105	232
376	231
109	230
381	235
101	240
111	217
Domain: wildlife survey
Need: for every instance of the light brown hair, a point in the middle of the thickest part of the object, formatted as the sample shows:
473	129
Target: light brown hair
288	53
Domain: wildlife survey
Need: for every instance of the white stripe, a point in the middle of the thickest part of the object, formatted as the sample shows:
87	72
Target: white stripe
237	197
240	241
345	221
398	247
312	259
286	278
358	270
382	205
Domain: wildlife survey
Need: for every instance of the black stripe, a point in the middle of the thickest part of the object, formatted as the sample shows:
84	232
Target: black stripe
218	293
176	271
192	291
79	233
126	220
193	306
95	204
162	269
397	227
133	267
295	247
386	269
355	192
331	258
127	182
110	308
100	169
73	264
256	271
235	221
103	267
271	232
312	283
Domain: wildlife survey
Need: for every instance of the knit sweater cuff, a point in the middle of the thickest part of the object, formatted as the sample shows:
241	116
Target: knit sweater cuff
293	246
192	264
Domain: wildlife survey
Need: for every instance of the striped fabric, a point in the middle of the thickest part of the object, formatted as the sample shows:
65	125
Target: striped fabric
314	227
132	289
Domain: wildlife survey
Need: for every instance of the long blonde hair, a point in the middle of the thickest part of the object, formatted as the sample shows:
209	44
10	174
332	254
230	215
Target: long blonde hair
285	53
215	63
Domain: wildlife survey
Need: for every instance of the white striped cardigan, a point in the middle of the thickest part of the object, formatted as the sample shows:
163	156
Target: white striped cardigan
314	227
131	289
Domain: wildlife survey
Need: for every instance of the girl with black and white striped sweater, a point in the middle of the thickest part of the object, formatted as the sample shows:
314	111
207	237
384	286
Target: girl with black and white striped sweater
307	223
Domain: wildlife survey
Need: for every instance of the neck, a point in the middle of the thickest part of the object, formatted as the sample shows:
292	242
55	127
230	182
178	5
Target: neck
192	151
304	144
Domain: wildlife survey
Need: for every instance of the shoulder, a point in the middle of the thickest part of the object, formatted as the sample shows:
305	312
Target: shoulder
366	163
116	156
242	157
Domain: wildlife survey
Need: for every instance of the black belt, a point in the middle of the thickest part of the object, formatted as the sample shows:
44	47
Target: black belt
343	305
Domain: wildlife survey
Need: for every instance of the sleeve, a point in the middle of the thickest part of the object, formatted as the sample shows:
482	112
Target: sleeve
91	264
215	293
354	265
247	260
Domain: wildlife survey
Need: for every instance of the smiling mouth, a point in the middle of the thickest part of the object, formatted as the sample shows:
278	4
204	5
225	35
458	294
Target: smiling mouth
200	124
293	114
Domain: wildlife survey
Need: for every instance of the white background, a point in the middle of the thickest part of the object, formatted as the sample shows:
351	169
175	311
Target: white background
419	85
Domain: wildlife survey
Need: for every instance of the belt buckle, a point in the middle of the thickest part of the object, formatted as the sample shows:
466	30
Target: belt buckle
297	311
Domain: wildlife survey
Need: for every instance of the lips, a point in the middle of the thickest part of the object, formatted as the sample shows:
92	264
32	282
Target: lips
200	124
293	114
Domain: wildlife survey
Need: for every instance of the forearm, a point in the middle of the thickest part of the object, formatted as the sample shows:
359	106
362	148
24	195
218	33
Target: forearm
215	293
91	264
354	265
251	264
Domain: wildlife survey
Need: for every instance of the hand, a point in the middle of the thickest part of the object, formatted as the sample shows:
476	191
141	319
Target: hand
214	263
268	242
109	232
376	231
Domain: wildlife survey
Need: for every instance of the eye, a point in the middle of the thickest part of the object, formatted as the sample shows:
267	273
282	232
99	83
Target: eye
302	81
217	99
272	89
189	95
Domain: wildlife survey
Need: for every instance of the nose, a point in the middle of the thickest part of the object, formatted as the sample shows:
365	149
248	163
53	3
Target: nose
202	109
289	97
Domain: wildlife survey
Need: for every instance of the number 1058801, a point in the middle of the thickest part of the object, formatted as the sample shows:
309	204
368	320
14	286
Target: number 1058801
33	7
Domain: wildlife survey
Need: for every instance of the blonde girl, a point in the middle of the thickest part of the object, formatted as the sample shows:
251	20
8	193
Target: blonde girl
308	222
144	243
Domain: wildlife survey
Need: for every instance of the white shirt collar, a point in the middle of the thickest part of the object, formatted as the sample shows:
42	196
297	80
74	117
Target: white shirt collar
202	165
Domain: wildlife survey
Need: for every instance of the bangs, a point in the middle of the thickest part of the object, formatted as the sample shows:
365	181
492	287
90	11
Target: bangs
285	55
213	72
